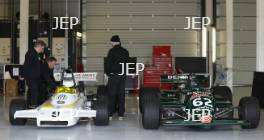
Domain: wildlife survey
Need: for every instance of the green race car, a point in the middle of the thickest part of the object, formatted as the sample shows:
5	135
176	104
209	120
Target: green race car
192	102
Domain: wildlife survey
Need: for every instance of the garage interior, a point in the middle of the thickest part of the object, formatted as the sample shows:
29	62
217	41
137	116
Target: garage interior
232	47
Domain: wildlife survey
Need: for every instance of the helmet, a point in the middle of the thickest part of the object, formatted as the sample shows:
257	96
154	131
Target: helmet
68	80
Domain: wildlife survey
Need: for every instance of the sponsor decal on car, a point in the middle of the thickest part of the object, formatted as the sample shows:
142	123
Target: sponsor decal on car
176	77
198	115
199	94
206	119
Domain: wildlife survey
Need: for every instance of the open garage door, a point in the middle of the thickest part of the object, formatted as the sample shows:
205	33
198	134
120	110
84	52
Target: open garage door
140	25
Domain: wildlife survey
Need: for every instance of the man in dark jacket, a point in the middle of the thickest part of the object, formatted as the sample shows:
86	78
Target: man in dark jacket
31	71
45	54
48	82
116	82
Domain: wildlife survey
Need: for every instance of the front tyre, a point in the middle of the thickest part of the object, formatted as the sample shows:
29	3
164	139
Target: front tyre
249	111
102	112
16	105
142	94
151	111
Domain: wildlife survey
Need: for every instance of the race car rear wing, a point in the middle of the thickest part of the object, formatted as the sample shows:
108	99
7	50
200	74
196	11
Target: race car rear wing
80	76
196	79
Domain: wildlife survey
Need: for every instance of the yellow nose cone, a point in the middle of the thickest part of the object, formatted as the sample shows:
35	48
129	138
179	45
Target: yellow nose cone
63	89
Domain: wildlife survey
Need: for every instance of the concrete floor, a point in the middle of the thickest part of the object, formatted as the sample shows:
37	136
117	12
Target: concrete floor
128	129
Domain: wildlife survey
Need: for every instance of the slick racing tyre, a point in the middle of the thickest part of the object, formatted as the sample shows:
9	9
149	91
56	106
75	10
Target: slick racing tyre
223	92
142	95
151	110
249	111
102	112
16	105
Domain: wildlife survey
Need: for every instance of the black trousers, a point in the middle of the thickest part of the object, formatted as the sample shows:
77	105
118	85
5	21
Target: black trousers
116	90
34	92
43	94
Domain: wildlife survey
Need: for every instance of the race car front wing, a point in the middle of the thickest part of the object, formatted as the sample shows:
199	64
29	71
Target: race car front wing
55	117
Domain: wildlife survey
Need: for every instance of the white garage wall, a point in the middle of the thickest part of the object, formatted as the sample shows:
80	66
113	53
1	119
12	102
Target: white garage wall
140	24
244	39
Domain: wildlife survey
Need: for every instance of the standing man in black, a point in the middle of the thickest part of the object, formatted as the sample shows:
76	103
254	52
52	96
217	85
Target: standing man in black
32	72
116	82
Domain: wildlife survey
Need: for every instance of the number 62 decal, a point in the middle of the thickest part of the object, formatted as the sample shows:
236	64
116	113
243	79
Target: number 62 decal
202	101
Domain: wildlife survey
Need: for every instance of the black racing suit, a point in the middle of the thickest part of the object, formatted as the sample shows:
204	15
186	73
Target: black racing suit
116	83
31	72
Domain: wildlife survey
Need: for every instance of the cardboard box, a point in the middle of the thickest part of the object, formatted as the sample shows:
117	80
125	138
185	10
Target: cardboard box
11	88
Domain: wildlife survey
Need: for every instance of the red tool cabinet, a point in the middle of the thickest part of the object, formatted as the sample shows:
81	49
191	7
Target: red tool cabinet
162	64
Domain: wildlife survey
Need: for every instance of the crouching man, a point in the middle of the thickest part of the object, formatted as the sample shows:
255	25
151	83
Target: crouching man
48	82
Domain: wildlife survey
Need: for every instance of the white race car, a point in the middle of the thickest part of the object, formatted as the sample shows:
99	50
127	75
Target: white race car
65	107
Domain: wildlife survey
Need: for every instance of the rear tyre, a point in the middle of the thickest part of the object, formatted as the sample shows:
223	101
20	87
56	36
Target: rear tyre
142	95
249	110
151	110
16	105
102	112
223	92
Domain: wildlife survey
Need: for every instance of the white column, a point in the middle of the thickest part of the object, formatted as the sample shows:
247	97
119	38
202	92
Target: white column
260	36
66	41
229	42
209	13
204	41
23	33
